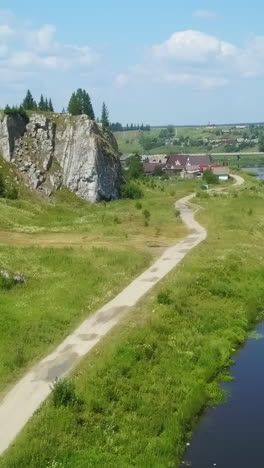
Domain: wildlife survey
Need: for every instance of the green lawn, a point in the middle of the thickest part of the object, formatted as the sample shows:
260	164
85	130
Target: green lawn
76	256
145	384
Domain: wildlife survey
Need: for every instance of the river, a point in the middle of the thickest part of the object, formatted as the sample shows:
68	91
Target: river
231	435
260	172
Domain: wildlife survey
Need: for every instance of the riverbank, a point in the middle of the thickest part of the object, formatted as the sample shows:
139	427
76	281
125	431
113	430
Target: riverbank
143	388
230	435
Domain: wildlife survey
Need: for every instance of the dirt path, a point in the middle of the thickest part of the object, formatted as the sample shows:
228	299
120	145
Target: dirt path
26	396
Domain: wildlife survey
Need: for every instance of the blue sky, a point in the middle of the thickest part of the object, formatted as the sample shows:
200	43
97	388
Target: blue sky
156	62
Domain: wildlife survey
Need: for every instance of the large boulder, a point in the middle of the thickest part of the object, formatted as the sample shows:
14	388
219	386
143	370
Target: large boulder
69	150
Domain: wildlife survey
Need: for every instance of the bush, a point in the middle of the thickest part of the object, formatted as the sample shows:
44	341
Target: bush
6	283
63	393
138	206
16	111
7	191
2	185
116	220
11	193
131	191
210	177
164	298
146	214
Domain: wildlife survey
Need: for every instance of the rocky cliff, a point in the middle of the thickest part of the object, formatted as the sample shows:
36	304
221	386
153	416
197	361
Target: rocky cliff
62	150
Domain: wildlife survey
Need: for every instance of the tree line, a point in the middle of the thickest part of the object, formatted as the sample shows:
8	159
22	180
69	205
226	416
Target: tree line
29	104
79	103
118	127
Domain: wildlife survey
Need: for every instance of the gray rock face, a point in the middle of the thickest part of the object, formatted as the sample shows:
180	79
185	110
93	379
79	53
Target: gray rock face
68	150
94	174
11	129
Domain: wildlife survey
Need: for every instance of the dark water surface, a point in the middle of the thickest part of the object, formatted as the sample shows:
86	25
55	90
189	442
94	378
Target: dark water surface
260	172
232	435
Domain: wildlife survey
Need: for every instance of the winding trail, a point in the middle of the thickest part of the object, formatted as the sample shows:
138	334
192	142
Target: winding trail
26	396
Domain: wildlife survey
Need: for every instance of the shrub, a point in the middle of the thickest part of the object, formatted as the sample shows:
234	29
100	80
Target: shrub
11	193
131	190
2	185
63	393
210	177
6	283
138	205
177	213
164	298
7	191
16	111
116	220
146	214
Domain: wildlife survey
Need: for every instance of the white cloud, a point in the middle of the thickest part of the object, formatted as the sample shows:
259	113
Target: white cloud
5	31
198	60
22	47
121	79
202	82
193	46
205	14
43	39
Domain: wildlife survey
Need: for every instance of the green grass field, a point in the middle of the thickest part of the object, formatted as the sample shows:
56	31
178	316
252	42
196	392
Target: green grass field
76	256
129	141
145	385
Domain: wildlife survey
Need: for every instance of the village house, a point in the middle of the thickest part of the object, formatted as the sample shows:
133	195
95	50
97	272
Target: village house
153	168
124	158
185	162
154	158
222	172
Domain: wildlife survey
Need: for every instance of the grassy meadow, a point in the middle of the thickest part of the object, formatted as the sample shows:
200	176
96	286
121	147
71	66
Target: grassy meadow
76	256
142	389
130	141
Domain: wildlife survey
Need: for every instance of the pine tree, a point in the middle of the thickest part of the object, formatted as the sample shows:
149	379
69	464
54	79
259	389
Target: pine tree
46	105
51	109
29	103
80	103
41	105
87	107
7	109
73	106
105	117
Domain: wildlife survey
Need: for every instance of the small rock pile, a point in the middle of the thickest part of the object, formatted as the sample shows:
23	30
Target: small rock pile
18	278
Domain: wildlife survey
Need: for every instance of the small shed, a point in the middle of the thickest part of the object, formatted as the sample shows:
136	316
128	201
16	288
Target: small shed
222	172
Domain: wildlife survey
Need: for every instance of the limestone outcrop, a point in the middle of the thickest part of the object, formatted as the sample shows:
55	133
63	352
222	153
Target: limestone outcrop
62	150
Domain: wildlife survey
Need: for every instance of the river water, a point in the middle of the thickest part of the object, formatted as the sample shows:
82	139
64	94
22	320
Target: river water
260	172
231	435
